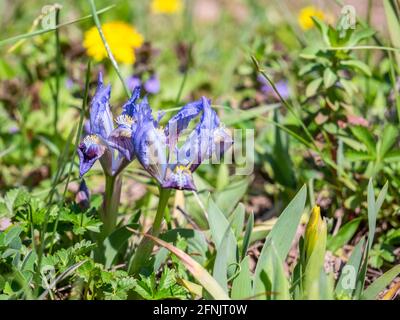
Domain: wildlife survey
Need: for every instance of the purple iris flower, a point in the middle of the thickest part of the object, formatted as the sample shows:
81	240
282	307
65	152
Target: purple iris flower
172	165
152	85
111	146
138	135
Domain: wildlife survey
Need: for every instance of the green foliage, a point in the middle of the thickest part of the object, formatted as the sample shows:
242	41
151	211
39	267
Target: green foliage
322	105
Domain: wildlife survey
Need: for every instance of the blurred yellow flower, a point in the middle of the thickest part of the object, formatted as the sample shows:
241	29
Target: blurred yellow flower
121	37
166	6
305	15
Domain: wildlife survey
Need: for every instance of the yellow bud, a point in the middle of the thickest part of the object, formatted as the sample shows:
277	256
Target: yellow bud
315	231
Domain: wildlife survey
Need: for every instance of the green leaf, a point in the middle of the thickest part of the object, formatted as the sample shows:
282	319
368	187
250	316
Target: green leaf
392	156
372	213
220	272
237	219
344	235
373	208
281	235
349	86
393	24
381	197
380	284
271	282
347	280
354	155
357	64
389	137
219	225
223	177
330	78
360	35
323	28
313	87
114	242
198	272
365	136
197	245
15	198
284	230
307	68
12	234
309	53
280	159
247	234
326	285
241	285
197	204
227	199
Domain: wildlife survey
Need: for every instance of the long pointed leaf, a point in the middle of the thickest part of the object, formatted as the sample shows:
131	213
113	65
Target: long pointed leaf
380	284
241	286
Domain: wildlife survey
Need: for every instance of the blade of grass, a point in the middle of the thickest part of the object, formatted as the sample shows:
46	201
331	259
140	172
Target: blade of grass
393	49
247	235
43	31
372	213
241	285
107	47
380	284
281	236
373	208
353	265
220	272
185	74
58	72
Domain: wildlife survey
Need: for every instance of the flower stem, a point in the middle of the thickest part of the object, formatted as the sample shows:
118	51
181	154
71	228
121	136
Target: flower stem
145	247
107	47
59	67
109	210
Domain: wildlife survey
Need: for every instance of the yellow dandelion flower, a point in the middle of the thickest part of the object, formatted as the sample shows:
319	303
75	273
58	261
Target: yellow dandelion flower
166	6
305	15
121	37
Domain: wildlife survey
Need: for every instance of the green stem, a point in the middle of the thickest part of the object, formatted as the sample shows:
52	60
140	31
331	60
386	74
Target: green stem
145	247
58	73
109	210
23	37
107	47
